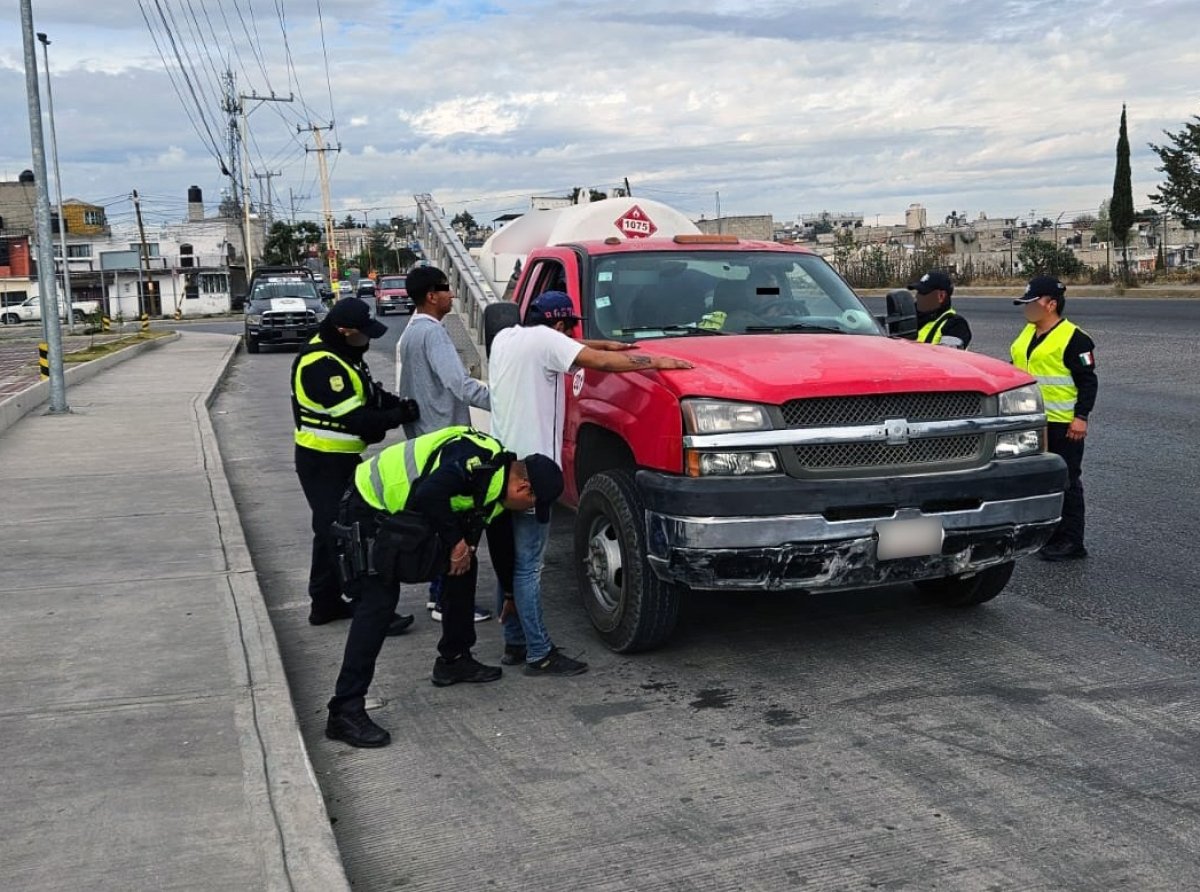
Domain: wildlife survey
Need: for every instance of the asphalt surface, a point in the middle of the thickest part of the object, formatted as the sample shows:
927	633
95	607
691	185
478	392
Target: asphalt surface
1044	741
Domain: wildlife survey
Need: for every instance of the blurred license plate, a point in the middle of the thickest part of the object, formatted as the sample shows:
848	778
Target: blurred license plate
914	537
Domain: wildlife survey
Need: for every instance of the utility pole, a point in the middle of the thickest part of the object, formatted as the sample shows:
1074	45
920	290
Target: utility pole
62	223
269	204
144	280
254	97
47	290
326	204
718	213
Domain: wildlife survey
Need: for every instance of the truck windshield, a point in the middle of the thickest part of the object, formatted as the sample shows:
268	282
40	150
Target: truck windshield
392	282
295	288
680	293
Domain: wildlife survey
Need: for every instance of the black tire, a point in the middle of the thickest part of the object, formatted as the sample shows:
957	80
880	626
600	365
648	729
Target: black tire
629	606
967	591
380	312
79	316
252	345
11	318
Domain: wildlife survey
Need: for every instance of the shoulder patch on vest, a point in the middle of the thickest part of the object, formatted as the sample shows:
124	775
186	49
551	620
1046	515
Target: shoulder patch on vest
474	463
337	383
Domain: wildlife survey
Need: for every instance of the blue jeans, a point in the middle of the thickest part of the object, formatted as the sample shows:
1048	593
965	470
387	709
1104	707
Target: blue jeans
527	629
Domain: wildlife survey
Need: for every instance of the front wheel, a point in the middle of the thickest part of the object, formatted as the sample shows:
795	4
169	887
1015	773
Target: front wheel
967	591
11	319
79	316
628	604
252	344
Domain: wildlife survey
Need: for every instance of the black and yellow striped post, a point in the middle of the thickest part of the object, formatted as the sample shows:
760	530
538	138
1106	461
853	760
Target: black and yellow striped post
145	323
105	323
44	361
178	313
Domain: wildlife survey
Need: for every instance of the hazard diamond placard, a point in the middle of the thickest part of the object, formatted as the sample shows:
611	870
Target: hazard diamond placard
635	224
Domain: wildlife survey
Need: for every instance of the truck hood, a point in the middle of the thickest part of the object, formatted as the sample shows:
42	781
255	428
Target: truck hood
774	368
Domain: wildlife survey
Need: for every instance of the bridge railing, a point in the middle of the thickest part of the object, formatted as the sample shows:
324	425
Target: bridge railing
445	250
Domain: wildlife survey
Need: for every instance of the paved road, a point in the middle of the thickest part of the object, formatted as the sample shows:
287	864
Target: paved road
1045	741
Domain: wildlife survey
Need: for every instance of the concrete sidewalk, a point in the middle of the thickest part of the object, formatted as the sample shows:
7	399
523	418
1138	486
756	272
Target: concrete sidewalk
148	736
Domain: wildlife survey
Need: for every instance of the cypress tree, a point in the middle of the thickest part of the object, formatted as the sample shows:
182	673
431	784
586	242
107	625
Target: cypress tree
1120	209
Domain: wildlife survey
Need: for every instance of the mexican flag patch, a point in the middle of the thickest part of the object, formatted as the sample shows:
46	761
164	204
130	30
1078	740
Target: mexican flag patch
1087	359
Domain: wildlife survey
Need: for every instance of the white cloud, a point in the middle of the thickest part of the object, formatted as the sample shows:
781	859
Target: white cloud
1006	107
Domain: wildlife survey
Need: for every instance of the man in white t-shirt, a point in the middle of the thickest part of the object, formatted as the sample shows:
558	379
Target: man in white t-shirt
528	394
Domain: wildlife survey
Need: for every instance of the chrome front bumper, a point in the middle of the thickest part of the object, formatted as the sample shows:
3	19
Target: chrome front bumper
809	552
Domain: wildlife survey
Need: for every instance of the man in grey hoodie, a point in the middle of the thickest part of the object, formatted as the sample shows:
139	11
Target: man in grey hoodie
430	372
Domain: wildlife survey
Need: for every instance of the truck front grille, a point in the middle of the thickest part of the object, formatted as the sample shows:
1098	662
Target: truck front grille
289	320
839	411
859	456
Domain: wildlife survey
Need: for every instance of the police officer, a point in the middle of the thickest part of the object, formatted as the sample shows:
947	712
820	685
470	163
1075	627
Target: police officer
938	321
459	481
1062	357
338	411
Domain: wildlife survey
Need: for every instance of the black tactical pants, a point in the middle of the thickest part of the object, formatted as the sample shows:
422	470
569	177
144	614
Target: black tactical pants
1070	528
324	477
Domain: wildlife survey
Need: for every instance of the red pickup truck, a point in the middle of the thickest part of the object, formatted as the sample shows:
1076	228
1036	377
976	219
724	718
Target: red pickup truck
807	450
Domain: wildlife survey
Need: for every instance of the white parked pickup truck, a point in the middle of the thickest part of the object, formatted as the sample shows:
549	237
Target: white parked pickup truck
31	311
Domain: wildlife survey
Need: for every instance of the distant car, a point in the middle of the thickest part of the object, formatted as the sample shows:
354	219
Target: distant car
366	289
282	307
392	294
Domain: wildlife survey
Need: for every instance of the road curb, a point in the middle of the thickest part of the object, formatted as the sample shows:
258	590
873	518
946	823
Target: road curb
17	406
282	789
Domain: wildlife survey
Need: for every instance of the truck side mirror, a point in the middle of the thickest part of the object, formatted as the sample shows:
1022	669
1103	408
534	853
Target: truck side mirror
496	318
901	318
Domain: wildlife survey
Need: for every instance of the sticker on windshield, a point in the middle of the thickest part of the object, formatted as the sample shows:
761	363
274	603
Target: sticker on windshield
603	301
604	276
577	383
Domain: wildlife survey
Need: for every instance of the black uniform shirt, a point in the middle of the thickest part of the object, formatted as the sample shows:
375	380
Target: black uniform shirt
1080	360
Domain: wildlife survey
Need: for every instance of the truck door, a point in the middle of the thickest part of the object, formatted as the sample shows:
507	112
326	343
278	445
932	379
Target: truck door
560	274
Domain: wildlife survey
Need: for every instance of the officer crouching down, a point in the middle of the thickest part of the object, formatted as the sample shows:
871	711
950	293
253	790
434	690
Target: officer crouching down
414	512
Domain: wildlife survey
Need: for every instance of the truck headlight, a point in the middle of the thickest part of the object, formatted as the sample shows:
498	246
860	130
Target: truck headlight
254	318
1025	400
730	464
721	417
1018	443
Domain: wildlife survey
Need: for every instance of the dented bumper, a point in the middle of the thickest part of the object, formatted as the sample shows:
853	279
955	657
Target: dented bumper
743	536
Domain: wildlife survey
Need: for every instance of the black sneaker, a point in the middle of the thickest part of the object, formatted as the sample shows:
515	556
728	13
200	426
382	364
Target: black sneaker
1062	551
465	668
343	610
514	655
556	663
399	624
356	728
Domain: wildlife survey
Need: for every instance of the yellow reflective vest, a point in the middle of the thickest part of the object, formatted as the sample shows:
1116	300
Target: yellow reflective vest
931	332
318	427
1046	364
385	482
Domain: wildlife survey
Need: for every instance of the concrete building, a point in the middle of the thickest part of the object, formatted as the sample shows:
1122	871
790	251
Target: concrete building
760	227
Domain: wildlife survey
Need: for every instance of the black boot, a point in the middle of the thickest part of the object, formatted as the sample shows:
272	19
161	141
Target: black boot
399	624
356	728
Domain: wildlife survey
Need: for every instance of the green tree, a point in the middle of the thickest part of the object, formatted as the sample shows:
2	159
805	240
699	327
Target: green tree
464	221
379	245
288	243
1120	210
1042	258
1180	193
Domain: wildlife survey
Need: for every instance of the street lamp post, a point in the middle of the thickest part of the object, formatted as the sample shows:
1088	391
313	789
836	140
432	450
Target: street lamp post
62	223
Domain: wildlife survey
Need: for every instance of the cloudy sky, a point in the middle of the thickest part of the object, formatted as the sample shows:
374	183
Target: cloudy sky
1002	106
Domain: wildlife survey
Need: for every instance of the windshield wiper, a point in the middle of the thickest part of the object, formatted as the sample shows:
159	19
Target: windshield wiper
797	326
676	329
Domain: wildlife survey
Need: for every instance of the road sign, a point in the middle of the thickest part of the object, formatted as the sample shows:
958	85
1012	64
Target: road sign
635	224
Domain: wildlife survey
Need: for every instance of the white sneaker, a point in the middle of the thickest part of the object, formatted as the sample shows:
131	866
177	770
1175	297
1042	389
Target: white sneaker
481	615
431	605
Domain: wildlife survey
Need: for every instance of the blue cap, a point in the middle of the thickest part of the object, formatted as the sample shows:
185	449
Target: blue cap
550	307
